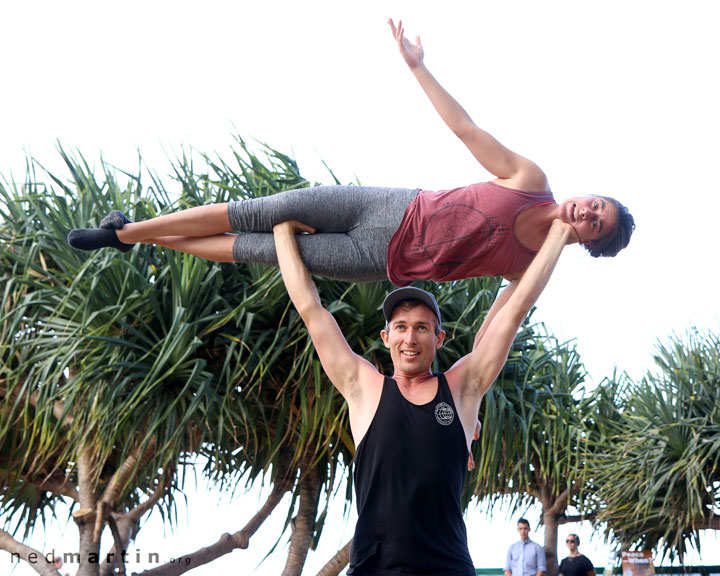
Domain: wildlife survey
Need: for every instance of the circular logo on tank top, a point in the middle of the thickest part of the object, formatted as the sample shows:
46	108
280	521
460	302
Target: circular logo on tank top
444	414
450	230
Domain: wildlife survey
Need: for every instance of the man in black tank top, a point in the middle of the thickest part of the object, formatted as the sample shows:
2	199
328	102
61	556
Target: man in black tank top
412	431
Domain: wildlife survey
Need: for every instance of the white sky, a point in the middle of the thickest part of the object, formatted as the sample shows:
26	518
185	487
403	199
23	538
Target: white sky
613	97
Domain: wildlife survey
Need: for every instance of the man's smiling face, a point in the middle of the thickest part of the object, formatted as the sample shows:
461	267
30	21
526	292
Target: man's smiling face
411	339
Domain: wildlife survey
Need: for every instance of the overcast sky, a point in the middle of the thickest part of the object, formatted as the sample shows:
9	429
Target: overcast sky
618	98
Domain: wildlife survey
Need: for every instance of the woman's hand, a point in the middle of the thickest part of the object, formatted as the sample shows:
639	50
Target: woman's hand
476	435
413	54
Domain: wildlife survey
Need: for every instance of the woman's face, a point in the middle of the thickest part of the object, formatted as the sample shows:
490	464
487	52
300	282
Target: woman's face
592	217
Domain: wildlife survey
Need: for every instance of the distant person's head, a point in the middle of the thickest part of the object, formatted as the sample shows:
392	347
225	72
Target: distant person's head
572	542
603	225
523	528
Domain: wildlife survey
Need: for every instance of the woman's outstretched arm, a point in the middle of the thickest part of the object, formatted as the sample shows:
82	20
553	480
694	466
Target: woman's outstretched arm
519	172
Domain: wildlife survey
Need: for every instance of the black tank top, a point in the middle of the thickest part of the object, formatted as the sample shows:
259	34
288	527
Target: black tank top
409	475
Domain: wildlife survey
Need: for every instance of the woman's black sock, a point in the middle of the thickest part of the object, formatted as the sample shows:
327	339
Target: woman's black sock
94	238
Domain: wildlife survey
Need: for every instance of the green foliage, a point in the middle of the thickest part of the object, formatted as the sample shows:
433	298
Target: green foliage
657	473
105	350
532	425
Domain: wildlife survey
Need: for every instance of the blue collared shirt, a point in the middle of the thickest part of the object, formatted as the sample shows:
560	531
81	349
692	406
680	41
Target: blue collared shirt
534	558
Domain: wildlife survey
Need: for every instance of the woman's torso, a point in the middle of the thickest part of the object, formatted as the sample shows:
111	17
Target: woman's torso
462	233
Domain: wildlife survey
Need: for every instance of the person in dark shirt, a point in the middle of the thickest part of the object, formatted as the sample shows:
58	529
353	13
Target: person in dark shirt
412	431
576	564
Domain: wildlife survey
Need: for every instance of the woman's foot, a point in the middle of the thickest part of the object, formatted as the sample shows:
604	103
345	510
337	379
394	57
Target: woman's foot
115	220
94	238
103	237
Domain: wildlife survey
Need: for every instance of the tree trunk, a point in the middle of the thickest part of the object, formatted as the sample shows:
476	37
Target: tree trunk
89	549
550	520
122	476
36	560
227	542
128	524
85	517
337	562
119	547
87	479
126	528
303	525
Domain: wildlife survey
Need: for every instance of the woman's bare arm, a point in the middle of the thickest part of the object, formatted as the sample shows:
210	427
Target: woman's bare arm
516	171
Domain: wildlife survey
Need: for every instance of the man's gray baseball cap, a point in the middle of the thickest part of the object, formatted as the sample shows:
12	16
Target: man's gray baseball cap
410	293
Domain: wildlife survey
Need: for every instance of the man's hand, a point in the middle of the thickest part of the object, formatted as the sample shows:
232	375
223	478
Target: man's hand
413	54
558	226
295	226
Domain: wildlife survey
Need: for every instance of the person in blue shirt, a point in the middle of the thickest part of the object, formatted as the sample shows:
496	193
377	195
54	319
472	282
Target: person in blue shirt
525	557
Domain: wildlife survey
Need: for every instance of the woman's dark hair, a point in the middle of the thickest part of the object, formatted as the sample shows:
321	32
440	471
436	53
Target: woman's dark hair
619	238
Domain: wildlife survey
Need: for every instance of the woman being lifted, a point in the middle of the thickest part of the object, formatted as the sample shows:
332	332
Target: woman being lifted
362	234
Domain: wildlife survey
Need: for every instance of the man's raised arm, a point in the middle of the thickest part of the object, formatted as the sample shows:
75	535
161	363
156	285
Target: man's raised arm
340	363
482	366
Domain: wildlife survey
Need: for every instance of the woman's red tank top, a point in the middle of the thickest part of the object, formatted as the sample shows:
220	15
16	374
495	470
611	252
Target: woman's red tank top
461	233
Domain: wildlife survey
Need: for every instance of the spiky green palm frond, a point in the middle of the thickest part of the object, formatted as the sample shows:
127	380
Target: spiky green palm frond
532	424
658	473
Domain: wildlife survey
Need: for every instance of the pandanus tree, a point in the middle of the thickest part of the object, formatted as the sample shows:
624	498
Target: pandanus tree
117	370
658	472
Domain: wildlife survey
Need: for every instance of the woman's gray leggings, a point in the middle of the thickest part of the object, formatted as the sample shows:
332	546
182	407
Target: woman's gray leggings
354	225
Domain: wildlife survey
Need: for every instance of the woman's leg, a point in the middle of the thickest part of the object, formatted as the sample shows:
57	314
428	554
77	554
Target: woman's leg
331	208
116	231
356	254
207	220
218	248
367	217
335	256
325	208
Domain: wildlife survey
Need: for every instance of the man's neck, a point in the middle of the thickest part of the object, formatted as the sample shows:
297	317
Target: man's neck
418	388
412	379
